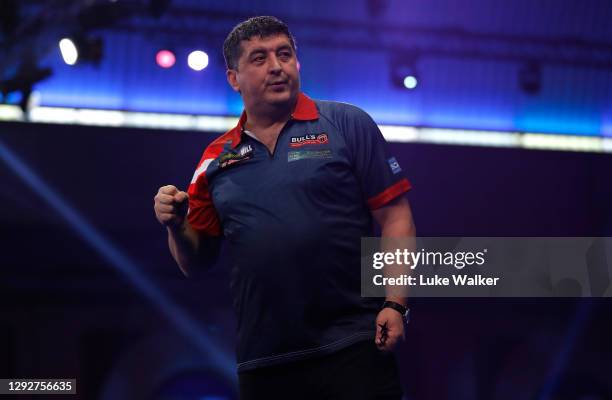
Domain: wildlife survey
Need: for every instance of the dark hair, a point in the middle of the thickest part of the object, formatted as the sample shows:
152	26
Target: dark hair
263	27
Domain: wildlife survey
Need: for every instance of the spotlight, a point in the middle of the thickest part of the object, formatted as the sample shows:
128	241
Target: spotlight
410	82
69	51
81	49
403	72
197	60
165	58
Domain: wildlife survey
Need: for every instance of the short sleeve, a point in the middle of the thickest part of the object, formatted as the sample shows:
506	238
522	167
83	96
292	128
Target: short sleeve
202	215
379	173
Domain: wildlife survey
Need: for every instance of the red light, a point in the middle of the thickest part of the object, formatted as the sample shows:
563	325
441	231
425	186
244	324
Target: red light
165	58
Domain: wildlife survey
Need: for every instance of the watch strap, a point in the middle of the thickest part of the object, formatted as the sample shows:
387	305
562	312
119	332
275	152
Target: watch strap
397	307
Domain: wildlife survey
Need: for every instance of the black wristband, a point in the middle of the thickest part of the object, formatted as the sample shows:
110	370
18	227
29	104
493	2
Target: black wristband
397	307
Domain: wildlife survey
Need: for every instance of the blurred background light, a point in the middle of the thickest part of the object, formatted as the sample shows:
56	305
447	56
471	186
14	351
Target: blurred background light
403	70
410	82
82	49
68	51
197	60
165	58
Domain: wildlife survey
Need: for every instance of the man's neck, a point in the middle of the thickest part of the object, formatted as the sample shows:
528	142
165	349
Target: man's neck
257	122
266	119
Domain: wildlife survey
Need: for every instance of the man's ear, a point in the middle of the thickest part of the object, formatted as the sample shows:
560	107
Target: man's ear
232	79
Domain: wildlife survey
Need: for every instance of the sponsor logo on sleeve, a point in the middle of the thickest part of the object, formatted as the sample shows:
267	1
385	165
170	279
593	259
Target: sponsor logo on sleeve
243	153
394	165
309	139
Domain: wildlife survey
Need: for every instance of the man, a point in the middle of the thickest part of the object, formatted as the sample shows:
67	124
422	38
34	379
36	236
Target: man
292	188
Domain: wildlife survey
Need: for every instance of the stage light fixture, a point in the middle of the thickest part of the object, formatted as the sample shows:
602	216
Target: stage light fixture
79	49
410	82
197	60
404	77
165	58
69	51
403	71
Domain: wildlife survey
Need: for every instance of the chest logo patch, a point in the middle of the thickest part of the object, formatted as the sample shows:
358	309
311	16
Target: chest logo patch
309	139
233	157
308	154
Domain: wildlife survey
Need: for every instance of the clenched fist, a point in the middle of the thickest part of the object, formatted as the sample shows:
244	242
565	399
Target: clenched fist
389	329
171	206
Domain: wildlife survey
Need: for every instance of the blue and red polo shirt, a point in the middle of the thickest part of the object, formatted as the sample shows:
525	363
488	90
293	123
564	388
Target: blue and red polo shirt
293	220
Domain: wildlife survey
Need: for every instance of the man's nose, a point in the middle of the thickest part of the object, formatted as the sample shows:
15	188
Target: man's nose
275	65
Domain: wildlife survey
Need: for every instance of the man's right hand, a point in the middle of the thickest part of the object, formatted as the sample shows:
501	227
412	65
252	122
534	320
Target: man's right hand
171	206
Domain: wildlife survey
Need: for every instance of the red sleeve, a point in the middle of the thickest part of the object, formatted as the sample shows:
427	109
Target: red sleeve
389	194
202	215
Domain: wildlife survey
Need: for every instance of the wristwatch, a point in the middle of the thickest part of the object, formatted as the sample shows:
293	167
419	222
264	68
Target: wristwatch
405	311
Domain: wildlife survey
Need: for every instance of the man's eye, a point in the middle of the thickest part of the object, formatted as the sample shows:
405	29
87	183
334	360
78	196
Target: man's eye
258	59
285	54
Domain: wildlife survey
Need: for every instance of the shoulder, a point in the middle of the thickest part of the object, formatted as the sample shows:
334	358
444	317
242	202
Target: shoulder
215	148
212	151
341	112
351	121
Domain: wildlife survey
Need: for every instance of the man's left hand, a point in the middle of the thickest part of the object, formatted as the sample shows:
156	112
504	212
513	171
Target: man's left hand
389	329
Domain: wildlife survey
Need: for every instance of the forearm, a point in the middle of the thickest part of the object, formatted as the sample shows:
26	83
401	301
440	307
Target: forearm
398	232
402	238
184	245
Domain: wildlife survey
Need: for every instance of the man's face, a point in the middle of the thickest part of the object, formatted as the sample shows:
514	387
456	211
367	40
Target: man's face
267	72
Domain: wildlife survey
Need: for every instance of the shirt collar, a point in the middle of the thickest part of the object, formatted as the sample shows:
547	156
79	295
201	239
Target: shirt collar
305	110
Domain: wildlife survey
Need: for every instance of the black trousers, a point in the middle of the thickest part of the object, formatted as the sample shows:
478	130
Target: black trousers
358	372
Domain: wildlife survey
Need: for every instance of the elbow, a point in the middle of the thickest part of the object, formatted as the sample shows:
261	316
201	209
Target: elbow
185	268
411	228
